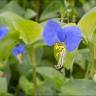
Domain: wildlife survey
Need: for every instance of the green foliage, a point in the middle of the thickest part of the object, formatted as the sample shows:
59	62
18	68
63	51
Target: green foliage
37	76
3	85
13	6
51	10
51	74
89	21
25	85
79	87
10	20
30	13
30	31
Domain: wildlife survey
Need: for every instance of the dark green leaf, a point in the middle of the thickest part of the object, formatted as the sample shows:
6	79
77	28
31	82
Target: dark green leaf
56	77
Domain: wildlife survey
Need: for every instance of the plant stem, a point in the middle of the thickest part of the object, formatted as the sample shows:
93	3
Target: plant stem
90	69
92	60
24	4
37	9
34	73
32	61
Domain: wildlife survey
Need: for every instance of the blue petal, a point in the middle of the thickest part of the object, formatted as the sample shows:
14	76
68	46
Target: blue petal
50	33
73	37
19	49
3	32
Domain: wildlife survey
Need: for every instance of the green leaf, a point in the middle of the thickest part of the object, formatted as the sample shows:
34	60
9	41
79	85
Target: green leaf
30	13
51	10
30	31
49	73
45	89
2	3
25	85
82	58
87	24
69	59
6	94
7	44
79	88
10	20
3	85
13	6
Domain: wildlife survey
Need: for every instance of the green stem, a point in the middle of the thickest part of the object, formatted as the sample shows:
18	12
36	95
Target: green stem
37	9
32	61
24	4
92	60
34	73
17	91
90	69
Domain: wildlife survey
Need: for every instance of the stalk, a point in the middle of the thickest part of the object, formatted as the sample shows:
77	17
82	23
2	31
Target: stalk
32	61
34	74
91	67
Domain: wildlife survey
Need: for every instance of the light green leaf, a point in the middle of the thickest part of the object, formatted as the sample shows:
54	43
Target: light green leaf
30	31
30	13
49	73
69	59
7	44
79	88
3	85
10	19
25	85
87	24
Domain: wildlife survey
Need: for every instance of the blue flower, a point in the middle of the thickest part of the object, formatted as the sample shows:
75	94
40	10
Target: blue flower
3	32
19	52
53	33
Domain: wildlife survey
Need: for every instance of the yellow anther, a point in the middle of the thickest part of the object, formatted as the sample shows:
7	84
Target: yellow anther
20	57
59	46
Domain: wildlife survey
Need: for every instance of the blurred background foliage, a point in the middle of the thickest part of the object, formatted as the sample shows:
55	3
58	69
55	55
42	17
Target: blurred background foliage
19	81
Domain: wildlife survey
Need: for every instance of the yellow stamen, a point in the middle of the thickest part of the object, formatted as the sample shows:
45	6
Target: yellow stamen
59	46
20	57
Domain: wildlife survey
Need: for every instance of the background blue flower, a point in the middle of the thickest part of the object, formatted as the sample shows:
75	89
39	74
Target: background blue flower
3	32
19	49
53	33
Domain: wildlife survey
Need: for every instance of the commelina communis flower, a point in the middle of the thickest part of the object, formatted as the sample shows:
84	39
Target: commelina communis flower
53	33
19	52
70	36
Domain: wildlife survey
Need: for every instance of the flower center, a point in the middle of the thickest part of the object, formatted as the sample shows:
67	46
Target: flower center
20	57
60	53
59	47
